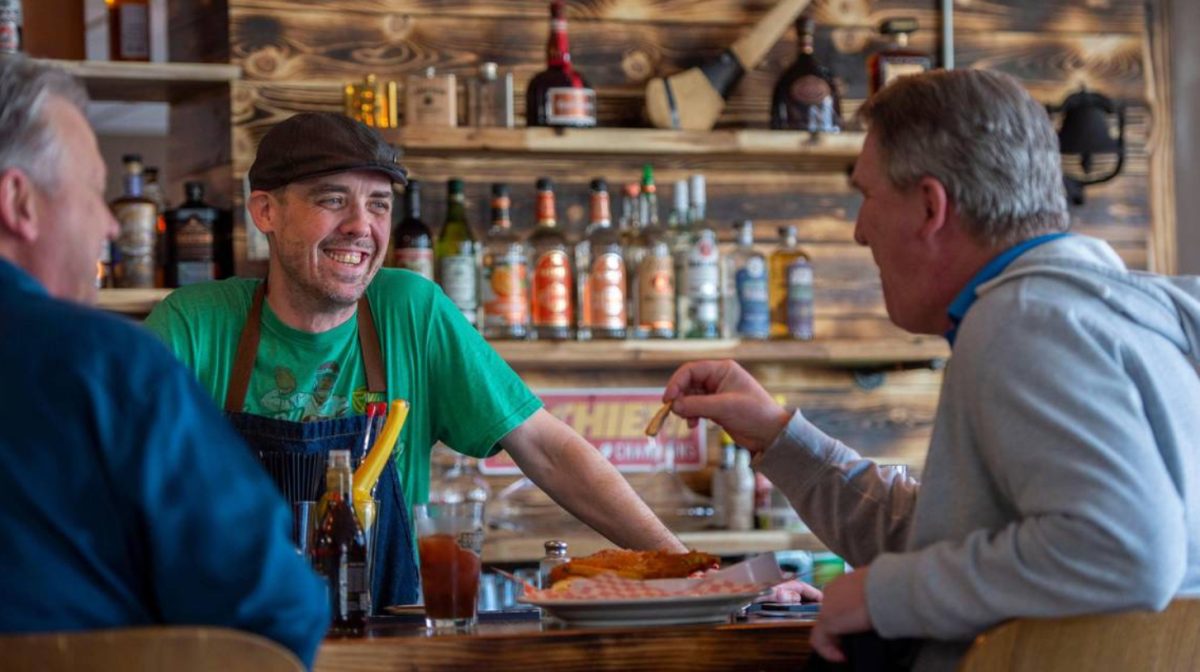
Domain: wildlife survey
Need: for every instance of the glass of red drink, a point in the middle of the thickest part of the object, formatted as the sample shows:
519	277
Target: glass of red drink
449	539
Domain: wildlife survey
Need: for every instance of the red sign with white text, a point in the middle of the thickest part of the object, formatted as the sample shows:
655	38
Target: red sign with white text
614	420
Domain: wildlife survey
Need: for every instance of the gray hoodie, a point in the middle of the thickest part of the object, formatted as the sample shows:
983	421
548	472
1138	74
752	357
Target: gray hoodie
1063	474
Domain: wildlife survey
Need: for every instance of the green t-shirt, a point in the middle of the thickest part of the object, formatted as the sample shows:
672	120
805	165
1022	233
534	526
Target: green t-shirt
459	390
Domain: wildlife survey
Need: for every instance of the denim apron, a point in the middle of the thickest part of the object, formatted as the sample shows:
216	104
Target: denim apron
394	579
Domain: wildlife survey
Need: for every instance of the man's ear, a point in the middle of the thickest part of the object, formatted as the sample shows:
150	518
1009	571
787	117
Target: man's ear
264	210
18	207
936	204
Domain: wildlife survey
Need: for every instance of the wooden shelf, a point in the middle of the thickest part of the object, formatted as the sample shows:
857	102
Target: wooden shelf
520	548
132	302
658	354
149	82
837	151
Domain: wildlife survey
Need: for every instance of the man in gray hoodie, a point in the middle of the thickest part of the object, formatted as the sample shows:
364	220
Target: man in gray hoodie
1063	474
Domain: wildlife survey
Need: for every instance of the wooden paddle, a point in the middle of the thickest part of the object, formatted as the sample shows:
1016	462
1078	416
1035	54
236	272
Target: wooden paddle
693	99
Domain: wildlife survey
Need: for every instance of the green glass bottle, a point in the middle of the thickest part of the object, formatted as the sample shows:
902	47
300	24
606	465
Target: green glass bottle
457	269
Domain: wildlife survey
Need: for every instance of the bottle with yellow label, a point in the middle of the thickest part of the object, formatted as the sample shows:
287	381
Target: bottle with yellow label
655	304
553	299
791	288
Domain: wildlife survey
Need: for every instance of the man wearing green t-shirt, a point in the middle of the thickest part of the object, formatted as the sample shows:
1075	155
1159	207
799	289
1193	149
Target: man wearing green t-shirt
296	363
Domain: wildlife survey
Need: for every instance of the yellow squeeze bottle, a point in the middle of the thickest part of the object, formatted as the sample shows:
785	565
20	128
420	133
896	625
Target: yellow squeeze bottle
373	463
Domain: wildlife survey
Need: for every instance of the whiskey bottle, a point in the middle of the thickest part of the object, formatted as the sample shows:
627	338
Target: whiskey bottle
412	243
655	314
791	289
553	284
505	274
559	95
455	253
806	97
897	59
340	550
129	30
752	314
137	217
12	26
605	304
191	239
154	191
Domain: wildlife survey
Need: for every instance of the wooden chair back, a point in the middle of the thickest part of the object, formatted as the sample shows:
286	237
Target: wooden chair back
179	649
1167	641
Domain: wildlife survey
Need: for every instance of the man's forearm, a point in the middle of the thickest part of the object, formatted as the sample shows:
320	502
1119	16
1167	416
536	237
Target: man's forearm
578	477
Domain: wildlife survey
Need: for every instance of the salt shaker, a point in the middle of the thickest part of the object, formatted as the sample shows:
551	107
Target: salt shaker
556	554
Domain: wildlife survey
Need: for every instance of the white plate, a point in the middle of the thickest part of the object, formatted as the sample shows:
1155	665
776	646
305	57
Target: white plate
647	611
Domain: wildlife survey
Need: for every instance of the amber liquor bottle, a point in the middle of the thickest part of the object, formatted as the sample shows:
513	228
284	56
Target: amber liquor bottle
340	550
654	309
553	282
137	217
897	59
559	95
412	243
806	97
603	313
791	289
505	284
129	30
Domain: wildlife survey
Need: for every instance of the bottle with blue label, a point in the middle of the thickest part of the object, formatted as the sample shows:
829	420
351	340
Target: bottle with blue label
749	311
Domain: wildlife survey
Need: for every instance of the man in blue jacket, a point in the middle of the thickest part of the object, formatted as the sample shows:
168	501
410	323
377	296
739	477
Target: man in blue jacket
1063	476
125	498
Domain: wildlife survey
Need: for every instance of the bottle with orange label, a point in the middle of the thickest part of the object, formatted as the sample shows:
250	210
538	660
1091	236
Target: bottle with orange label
655	305
603	309
553	299
505	274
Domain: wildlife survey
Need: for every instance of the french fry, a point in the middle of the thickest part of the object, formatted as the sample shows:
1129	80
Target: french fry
657	421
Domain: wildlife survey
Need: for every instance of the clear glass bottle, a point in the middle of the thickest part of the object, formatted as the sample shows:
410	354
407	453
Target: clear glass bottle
12	27
806	96
455	252
559	95
505	274
702	278
461	482
629	228
138	220
897	59
679	236
340	550
412	243
655	315
791	288
553	291
603	314
491	95
556	554
750	310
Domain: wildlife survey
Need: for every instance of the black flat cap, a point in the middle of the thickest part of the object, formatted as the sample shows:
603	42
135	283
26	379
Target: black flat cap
311	144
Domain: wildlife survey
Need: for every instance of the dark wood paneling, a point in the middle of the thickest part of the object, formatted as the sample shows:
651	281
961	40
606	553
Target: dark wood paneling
198	31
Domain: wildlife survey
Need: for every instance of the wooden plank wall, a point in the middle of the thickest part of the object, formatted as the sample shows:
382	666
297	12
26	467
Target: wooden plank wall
296	54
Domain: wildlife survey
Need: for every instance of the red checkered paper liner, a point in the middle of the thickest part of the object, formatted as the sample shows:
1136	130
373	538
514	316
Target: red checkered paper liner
752	576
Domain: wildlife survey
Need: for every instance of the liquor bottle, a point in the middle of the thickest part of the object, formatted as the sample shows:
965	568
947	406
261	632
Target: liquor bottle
340	550
138	220
897	59
806	97
679	237
629	230
558	95
154	191
605	303
412	243
702	277
129	30
749	311
191	239
790	289
505	274
12	27
491	97
455	254
431	99
655	314
553	284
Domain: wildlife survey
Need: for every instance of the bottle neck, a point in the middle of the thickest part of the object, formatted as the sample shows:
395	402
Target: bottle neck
545	209
806	43
601	214
133	184
746	236
901	39
501	209
338	483
412	204
558	48
456	209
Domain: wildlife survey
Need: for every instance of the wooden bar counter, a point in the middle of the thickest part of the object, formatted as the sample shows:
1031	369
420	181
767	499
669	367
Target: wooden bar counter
761	644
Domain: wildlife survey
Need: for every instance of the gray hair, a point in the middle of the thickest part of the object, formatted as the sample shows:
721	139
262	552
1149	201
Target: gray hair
27	141
988	142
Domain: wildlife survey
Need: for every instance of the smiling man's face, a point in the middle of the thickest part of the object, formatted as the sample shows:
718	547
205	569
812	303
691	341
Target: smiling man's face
330	236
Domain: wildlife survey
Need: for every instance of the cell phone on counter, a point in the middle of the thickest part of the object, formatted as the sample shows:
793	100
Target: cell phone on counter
786	609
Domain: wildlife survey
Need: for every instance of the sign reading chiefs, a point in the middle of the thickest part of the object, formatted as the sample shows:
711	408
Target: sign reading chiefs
614	420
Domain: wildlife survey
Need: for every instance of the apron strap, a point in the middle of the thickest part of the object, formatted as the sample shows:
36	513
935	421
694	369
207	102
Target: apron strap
372	353
247	351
